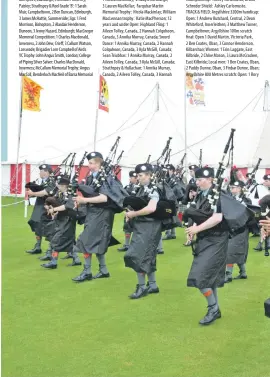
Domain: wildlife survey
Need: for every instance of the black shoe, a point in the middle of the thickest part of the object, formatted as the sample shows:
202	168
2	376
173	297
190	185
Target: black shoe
100	275
45	258
152	290
34	251
83	276
124	248
210	316
68	256
140	292
160	252
228	278
75	264
258	247
168	237
240	276
49	265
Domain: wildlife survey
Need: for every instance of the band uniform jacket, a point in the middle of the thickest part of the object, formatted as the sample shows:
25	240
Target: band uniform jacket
97	233
39	223
65	228
131	190
210	253
239	244
177	186
141	254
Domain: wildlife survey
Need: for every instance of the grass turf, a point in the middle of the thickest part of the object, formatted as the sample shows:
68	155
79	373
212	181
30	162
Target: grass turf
54	327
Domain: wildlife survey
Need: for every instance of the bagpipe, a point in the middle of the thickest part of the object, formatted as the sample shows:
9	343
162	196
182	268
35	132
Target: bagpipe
105	170
250	183
186	199
251	176
59	198
179	171
35	187
175	180
235	214
116	168
106	182
166	206
74	181
201	215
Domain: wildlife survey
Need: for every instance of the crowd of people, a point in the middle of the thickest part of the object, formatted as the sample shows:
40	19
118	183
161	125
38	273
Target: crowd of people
219	238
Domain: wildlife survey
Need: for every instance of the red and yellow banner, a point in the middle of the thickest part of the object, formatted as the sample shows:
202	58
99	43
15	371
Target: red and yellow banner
103	103
30	94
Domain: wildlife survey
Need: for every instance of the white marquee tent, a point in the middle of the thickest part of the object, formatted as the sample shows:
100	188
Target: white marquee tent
148	122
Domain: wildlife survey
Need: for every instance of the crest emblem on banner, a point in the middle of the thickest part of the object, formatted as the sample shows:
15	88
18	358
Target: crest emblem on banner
194	90
103	94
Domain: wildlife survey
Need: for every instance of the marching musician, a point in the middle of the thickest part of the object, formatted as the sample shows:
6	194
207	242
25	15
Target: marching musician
192	169
37	220
97	233
65	226
179	194
141	254
238	244
208	267
131	189
160	249
190	195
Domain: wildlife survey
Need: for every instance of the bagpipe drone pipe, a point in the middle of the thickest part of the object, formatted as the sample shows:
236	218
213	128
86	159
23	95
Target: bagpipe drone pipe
78	213
166	206
35	187
175	181
235	214
64	198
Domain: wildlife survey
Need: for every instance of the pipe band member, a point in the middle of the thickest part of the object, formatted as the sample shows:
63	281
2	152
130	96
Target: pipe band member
192	170
38	221
127	228
141	254
210	249
97	233
179	191
238	244
65	225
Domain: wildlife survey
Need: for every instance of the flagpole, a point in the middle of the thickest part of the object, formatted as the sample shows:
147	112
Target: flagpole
26	199
157	97
19	138
96	121
185	123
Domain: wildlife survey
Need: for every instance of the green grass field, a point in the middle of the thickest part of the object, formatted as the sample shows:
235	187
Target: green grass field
52	327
